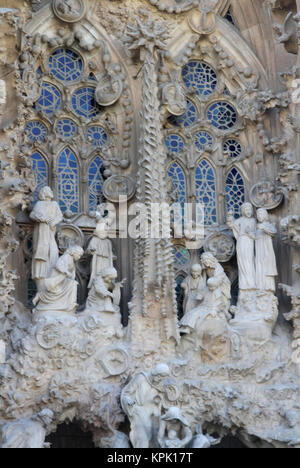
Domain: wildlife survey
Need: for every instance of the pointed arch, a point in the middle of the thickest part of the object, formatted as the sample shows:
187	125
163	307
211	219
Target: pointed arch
235	191
95	181
68	181
205	181
40	169
177	178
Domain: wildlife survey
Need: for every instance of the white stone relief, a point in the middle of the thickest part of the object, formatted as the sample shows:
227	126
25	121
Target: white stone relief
47	215
59	291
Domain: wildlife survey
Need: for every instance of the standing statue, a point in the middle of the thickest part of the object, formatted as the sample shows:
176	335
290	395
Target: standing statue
59	292
141	402
174	430
100	247
266	268
244	230
194	286
27	433
47	216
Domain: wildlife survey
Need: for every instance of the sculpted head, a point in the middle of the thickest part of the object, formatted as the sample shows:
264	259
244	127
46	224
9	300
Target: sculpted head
46	194
109	274
262	215
159	372
76	252
247	210
101	230
208	260
196	270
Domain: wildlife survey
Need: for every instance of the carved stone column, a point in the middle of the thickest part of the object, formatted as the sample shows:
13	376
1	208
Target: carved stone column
154	309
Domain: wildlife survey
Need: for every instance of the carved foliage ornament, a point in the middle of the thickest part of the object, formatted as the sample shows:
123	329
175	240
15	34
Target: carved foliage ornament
265	194
69	11
119	186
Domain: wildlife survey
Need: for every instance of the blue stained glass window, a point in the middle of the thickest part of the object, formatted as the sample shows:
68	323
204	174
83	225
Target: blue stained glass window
84	104
66	128
68	178
233	148
49	100
36	131
206	191
201	77
177	177
40	168
174	143
96	181
97	136
203	140
181	256
65	65
229	17
222	115
235	192
187	119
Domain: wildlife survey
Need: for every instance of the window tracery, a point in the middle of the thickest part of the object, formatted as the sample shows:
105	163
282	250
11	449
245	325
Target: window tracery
235	192
177	179
187	119
233	148
36	131
203	140
66	129
174	143
65	65
206	191
68	182
200	77
40	169
96	181
222	115
49	100
84	103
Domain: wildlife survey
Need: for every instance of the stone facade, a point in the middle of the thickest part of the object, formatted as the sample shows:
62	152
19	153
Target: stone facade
148	102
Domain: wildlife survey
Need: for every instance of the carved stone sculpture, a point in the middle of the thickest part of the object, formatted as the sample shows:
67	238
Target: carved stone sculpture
26	433
47	215
59	291
193	286
266	269
215	300
100	247
174	430
201	441
266	195
141	402
109	88
104	299
244	230
69	11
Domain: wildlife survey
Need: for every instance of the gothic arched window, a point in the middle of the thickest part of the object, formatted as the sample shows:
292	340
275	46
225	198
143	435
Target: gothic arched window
96	181
68	182
206	191
235	192
177	178
40	169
